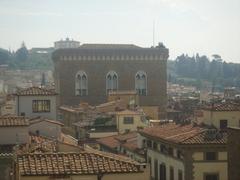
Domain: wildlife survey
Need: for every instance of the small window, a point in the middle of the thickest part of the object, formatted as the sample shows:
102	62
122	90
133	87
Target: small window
154	145
170	151
149	143
40	106
210	156
211	176
180	175
179	154
163	148
128	120
171	173
223	124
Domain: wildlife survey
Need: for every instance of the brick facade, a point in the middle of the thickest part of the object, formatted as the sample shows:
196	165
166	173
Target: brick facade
96	63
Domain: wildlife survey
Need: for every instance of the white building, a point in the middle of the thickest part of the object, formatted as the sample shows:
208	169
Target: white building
66	44
35	101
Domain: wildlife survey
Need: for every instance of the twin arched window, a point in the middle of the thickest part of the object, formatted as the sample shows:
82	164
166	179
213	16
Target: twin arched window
111	81
141	83
81	84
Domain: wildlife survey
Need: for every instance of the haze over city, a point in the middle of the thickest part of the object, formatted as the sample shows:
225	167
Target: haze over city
184	26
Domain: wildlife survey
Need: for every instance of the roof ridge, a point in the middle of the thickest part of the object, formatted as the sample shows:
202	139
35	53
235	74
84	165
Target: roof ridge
202	131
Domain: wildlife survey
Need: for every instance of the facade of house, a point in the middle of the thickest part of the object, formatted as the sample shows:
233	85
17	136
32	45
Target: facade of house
185	152
45	127
35	101
74	166
129	120
90	72
220	115
13	130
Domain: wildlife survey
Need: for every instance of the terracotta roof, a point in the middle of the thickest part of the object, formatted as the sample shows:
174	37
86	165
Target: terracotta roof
36	91
172	132
110	142
223	107
219	137
185	134
114	141
7	121
83	163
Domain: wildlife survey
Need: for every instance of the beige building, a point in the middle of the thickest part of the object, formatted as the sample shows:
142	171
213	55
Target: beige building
185	152
35	101
75	166
220	115
13	130
129	120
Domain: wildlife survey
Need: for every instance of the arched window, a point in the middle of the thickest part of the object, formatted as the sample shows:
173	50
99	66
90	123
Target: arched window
141	83
81	84
111	81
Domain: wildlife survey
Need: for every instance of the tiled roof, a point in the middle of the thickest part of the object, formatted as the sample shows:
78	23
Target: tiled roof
84	163
126	136
224	107
219	137
172	132
114	141
110	142
185	134
36	91
7	121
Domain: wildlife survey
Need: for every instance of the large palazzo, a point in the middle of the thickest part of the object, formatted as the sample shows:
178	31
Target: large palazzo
88	73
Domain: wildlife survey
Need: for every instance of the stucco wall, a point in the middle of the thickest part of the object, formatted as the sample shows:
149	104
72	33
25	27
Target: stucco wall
14	135
201	166
214	118
24	104
168	161
46	129
132	127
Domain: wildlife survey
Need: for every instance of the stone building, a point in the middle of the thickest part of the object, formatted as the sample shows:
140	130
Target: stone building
185	152
90	72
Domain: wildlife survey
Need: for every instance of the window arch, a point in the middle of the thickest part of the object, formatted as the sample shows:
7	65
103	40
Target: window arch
141	83
81	84
111	81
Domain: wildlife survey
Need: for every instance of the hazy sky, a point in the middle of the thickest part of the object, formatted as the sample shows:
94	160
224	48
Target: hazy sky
184	26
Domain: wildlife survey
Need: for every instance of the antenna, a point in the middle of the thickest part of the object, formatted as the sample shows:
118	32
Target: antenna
153	33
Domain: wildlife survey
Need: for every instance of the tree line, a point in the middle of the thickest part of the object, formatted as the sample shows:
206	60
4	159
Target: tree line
22	59
200	68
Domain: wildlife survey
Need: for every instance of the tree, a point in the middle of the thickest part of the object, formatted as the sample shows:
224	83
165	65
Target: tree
22	53
4	56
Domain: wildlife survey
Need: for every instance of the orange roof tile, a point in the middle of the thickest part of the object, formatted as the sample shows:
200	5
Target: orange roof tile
114	141
7	121
223	107
36	91
84	163
171	132
184	134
